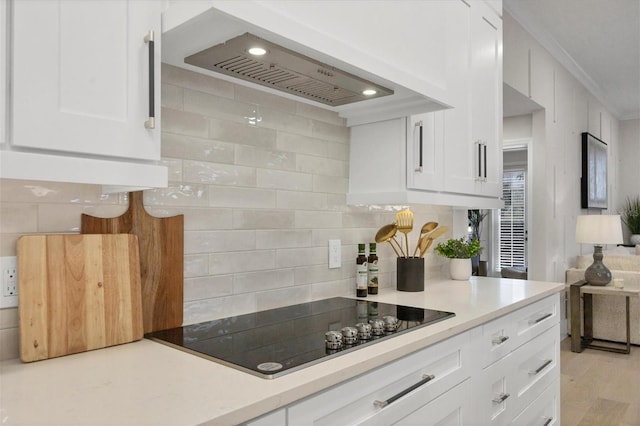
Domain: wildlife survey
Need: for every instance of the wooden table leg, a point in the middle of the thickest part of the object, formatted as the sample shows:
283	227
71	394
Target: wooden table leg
576	319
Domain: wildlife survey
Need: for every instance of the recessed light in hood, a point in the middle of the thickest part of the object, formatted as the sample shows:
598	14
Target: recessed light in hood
282	69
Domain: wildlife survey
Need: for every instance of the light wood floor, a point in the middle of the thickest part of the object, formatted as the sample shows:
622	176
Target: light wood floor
599	388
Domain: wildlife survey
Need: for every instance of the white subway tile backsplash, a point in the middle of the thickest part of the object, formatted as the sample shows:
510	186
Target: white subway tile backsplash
207	287
172	96
285	238
291	258
235	262
260	202
229	131
218	241
220	196
284	180
252	282
317	219
257	157
207	218
333	184
19	218
262	219
264	99
184	123
320	166
196	81
196	265
193	148
296	200
219	174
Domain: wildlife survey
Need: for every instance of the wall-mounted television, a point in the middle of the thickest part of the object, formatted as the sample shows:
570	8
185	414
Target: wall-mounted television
594	173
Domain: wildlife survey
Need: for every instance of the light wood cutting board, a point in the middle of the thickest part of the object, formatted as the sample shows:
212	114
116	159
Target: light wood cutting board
161	259
77	293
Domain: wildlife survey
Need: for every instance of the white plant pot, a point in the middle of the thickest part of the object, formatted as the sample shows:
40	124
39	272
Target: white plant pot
635	239
460	269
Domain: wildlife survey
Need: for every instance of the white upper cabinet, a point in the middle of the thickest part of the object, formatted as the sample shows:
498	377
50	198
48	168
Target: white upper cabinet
85	85
451	157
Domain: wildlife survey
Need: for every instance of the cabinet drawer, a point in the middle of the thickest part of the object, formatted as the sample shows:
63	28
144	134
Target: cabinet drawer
536	364
450	408
505	334
544	411
449	362
512	383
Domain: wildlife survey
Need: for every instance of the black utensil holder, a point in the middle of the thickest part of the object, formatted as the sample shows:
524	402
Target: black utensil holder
410	274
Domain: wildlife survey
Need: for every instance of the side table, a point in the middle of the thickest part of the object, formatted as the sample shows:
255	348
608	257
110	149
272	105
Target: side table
583	290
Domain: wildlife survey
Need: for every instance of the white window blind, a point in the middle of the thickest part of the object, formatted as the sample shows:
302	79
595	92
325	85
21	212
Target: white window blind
512	238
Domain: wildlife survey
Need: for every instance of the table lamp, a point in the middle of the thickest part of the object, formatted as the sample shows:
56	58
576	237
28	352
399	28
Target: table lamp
598	230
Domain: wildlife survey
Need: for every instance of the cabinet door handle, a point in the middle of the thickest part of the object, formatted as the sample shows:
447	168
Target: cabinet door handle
501	398
544	317
151	122
548	421
425	379
484	145
419	168
500	340
539	369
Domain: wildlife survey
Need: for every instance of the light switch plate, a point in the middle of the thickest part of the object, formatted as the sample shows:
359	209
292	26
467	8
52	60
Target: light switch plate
335	254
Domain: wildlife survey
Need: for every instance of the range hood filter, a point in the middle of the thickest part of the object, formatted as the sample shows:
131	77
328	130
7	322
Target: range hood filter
285	70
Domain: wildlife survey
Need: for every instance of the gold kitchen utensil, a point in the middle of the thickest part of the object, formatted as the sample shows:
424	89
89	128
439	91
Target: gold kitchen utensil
388	234
404	222
438	232
424	245
427	227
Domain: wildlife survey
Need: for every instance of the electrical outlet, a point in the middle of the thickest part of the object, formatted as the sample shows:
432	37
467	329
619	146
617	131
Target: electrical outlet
9	297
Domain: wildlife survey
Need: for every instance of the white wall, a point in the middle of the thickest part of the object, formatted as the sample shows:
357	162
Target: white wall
260	202
568	110
628	163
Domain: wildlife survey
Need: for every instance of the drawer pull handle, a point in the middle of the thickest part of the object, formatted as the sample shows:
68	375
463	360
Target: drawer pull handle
544	317
500	340
151	122
425	379
548	422
501	398
539	369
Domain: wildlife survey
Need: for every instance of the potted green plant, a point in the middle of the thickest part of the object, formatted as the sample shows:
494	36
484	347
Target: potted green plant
630	215
460	252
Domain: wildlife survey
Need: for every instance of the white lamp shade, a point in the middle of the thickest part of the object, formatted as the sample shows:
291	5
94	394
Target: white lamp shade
599	229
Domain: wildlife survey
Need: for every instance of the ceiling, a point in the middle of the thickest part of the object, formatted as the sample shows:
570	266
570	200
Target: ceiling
598	41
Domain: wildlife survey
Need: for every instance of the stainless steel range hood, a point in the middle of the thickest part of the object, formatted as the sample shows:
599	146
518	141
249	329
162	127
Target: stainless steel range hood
282	69
315	67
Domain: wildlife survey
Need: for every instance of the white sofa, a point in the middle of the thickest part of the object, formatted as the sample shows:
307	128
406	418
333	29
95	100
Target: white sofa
608	311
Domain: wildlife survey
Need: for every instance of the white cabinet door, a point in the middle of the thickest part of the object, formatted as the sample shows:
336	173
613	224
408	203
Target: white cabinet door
81	77
425	133
473	146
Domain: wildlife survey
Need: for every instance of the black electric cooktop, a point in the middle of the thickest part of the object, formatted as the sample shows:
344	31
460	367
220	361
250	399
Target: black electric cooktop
271	343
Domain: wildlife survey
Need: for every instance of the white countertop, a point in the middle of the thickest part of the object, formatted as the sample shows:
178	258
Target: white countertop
147	383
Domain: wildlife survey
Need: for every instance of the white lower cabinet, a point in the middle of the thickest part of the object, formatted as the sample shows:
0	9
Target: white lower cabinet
505	372
381	397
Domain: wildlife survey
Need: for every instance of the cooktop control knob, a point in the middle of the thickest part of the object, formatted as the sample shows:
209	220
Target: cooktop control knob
333	339
377	326
390	323
364	331
349	335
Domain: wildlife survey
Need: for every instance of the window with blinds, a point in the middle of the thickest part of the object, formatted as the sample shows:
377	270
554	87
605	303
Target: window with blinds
512	238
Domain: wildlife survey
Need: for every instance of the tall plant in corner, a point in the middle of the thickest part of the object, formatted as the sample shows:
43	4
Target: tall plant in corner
630	215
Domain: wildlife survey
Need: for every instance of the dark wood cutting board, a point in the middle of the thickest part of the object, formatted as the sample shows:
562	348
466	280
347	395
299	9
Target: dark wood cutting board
161	243
77	293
